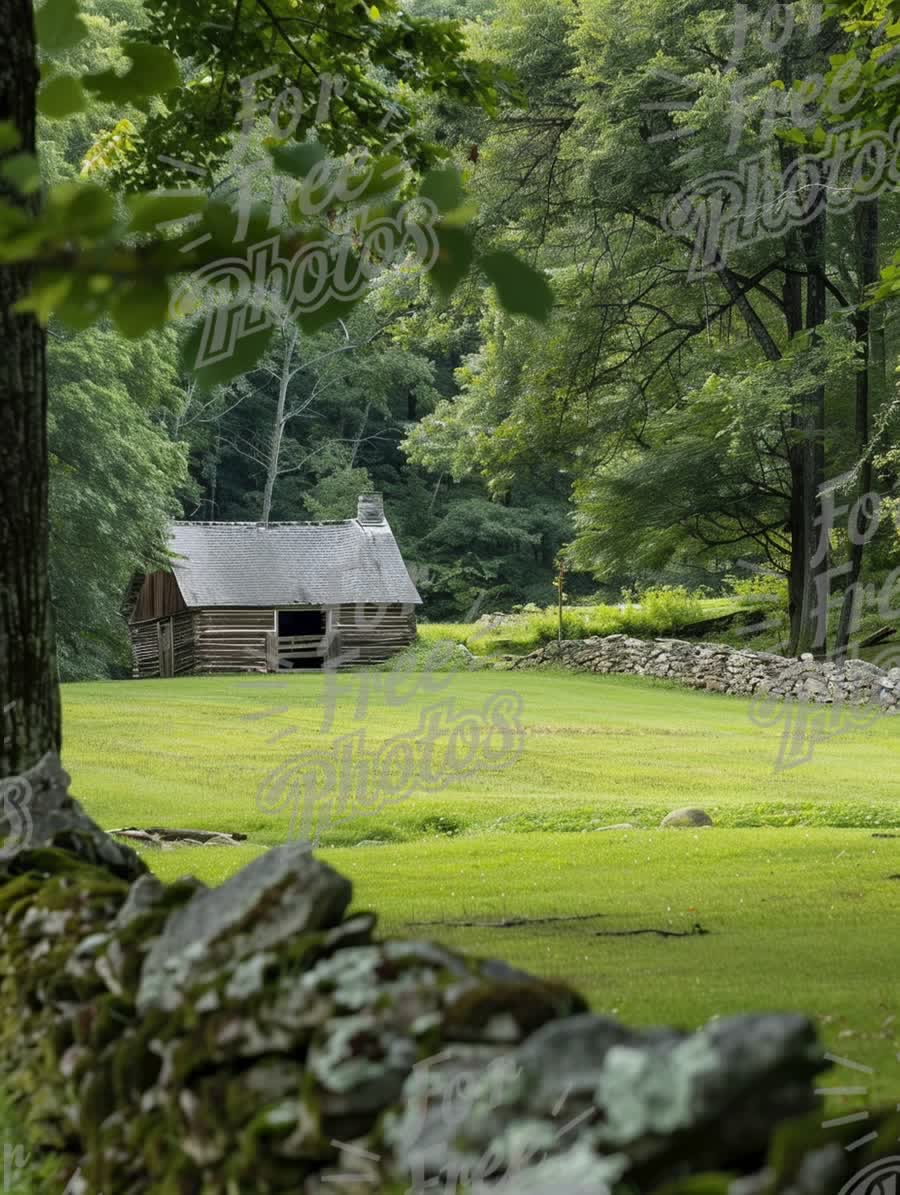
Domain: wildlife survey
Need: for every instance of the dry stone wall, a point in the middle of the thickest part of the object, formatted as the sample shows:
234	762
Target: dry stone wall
261	1037
722	669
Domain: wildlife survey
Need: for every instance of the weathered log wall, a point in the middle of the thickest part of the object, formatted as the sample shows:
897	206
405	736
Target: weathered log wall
159	596
144	649
230	639
371	634
233	639
145	640
183	635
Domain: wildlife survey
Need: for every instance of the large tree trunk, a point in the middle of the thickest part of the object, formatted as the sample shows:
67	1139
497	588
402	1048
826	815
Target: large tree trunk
866	228
812	631
792	293
804	251
805	256
29	696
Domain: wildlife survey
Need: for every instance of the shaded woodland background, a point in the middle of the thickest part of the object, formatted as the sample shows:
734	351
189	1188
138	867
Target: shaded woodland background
642	427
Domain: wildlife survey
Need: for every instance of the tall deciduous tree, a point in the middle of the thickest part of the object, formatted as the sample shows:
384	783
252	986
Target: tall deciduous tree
633	105
73	252
29	697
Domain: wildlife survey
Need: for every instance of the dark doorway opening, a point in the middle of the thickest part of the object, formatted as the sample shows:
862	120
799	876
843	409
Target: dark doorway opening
301	636
301	622
306	663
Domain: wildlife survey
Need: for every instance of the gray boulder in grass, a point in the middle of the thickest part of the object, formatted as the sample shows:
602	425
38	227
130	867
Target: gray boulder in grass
686	818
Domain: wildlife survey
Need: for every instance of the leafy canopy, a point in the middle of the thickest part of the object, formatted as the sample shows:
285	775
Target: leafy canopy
95	257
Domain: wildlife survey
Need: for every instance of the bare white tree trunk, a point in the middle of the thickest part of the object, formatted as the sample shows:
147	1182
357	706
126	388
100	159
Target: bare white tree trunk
278	422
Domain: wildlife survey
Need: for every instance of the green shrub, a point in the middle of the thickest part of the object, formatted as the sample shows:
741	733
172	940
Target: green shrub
660	610
436	649
767	623
761	587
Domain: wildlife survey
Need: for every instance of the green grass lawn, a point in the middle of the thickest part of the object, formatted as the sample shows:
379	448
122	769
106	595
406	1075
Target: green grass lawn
795	892
797	919
195	751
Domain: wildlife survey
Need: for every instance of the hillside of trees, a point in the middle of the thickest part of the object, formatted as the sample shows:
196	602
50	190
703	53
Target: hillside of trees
663	425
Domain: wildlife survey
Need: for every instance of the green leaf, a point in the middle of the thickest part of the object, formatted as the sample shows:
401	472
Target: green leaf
111	148
232	231
153	71
521	289
241	358
81	306
58	25
10	137
47	293
444	188
12	219
460	215
381	175
150	210
23	172
61	96
454	259
140	306
699	1184
297	160
81	209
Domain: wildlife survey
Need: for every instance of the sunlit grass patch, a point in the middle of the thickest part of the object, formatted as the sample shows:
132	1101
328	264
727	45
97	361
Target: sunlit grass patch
797	919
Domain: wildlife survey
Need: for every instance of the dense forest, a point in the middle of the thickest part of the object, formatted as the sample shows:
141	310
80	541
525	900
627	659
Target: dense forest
667	423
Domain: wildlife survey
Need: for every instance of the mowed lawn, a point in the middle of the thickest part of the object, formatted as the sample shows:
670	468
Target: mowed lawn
796	919
197	752
801	902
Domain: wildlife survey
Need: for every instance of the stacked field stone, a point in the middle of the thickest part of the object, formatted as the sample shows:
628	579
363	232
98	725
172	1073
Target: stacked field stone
722	669
259	1037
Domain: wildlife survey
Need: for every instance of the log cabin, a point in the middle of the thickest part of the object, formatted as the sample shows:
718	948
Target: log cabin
250	597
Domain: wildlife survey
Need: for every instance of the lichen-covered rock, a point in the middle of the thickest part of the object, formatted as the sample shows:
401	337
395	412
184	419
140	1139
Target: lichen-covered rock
686	818
168	1039
281	894
610	1103
55	819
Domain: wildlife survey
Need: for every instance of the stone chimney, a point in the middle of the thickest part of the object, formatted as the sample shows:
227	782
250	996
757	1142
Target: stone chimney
370	509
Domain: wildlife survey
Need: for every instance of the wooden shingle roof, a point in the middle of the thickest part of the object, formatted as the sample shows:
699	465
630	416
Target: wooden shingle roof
287	564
